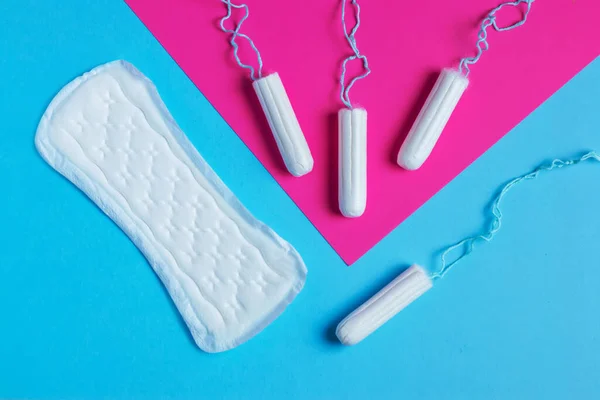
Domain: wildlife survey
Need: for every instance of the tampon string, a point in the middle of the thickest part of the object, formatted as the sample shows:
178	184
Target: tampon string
351	38
235	33
491	20
468	244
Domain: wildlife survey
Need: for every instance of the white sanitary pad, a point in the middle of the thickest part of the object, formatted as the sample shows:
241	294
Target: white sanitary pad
229	274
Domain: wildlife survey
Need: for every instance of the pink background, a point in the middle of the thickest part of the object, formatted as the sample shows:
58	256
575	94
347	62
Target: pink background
407	44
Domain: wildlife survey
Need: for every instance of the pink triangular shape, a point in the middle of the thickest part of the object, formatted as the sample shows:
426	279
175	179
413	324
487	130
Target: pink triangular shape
407	44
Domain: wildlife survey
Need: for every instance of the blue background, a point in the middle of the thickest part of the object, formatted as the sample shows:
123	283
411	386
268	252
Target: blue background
82	315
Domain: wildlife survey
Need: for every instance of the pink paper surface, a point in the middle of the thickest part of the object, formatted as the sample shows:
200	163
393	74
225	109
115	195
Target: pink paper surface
407	44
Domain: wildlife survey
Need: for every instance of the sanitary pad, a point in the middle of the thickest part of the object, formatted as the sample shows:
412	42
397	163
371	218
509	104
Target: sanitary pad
230	275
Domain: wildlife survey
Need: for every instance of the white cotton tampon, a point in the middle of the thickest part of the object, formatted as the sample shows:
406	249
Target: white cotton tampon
389	301
352	161
432	119
284	124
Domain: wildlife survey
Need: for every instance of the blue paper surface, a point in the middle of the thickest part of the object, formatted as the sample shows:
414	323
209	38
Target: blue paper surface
82	315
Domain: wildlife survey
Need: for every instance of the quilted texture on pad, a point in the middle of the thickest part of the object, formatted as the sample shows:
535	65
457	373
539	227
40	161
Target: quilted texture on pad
229	274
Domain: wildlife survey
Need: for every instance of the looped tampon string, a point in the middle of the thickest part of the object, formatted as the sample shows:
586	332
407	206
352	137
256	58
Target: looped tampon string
482	43
235	33
351	38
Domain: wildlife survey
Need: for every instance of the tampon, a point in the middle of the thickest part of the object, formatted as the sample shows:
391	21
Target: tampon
352	161
432	119
284	124
389	301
